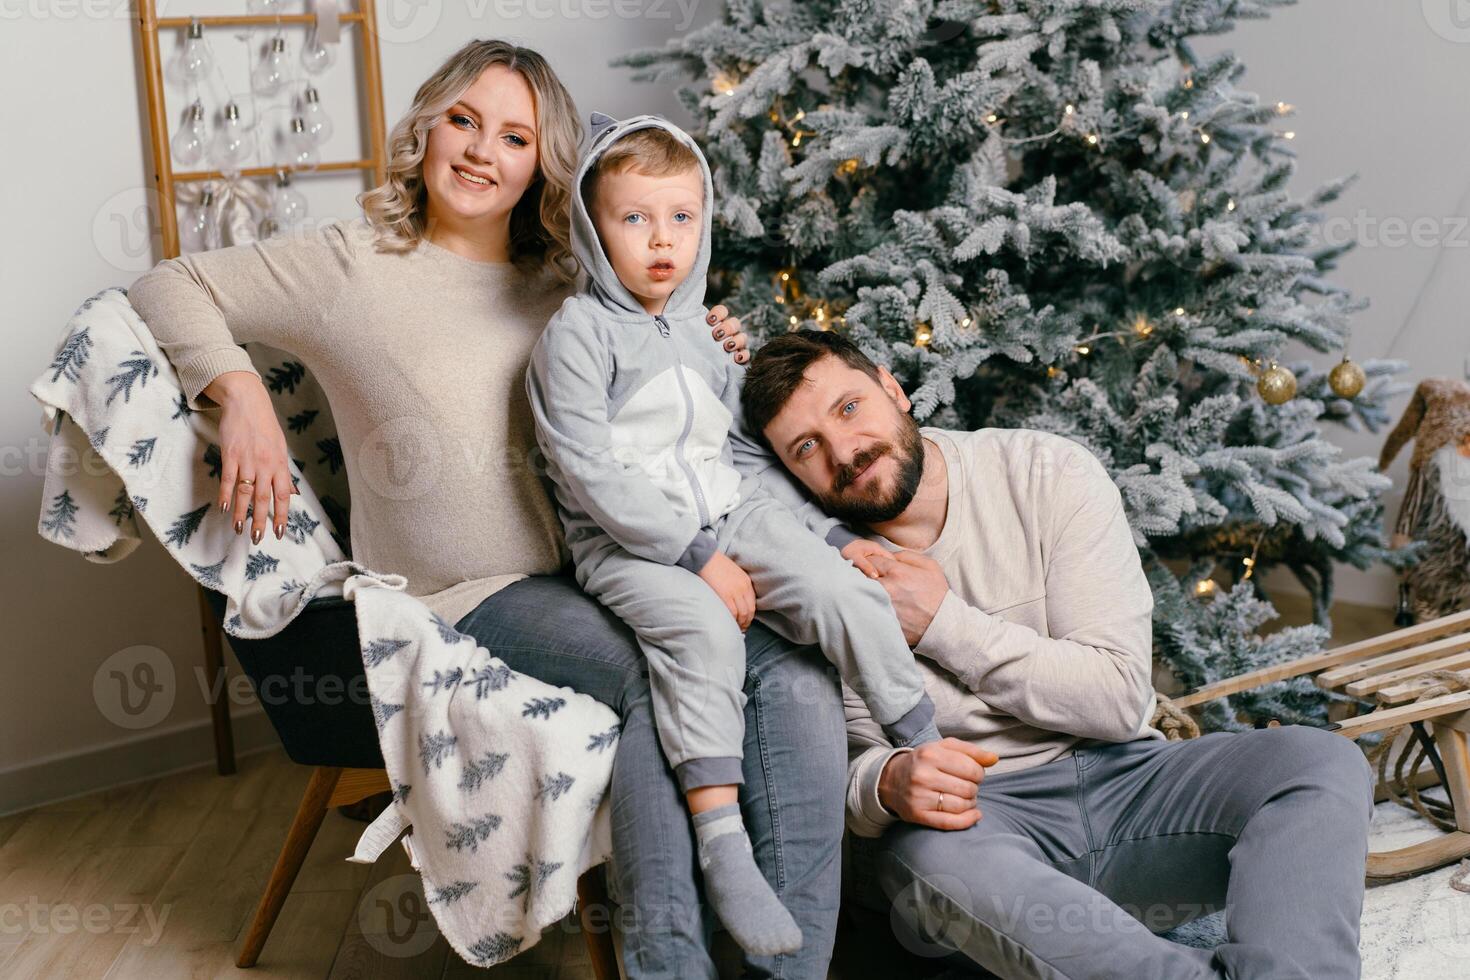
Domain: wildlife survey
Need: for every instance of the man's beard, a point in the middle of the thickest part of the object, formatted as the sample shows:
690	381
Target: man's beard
871	505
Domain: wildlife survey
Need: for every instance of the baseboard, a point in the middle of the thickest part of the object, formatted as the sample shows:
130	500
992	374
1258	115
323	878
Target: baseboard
76	774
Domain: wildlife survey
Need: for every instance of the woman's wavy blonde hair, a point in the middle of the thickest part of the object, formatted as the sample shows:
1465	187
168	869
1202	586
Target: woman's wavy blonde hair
540	222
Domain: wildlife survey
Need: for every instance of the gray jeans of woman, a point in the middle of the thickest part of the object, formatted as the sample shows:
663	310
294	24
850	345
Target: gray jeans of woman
794	774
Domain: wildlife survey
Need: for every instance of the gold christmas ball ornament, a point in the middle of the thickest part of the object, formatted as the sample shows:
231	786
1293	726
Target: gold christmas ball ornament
1276	385
1347	379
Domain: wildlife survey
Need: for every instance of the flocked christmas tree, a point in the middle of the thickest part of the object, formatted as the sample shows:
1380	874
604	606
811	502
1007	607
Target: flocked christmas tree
1052	214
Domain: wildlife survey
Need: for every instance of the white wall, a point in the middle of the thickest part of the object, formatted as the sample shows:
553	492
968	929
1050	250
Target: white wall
74	174
1378	91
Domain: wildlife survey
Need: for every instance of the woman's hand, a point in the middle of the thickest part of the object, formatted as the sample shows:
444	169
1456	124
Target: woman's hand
936	784
256	472
726	328
733	587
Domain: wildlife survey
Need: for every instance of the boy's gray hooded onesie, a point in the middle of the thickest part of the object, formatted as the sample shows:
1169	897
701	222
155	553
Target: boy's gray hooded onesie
639	418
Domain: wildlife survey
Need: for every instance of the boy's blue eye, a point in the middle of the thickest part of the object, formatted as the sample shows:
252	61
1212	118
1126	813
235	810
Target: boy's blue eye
633	219
683	216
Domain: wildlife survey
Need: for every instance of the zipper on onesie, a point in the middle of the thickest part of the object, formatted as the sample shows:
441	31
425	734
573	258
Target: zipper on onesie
679	446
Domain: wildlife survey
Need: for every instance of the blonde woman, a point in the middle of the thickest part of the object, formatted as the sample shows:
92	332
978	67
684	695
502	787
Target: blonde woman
418	320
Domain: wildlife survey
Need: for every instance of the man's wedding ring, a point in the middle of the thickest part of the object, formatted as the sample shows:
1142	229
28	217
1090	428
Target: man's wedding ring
245	483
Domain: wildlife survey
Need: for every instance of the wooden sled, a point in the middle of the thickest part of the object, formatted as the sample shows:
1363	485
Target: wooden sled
1393	669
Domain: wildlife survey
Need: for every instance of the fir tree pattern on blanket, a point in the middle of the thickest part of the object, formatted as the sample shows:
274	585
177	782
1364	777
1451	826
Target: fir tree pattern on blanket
111	398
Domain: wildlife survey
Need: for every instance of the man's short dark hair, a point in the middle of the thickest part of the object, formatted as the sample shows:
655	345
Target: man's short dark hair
779	366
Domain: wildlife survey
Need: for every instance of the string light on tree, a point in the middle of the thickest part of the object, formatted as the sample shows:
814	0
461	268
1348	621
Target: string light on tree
1205	588
922	333
1249	561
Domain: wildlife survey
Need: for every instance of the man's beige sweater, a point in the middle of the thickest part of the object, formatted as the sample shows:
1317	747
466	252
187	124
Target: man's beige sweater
1045	637
422	357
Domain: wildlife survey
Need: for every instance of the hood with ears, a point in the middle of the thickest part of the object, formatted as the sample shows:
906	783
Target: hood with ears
688	298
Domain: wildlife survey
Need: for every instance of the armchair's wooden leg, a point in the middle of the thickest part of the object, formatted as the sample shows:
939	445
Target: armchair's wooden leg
214	669
303	830
592	893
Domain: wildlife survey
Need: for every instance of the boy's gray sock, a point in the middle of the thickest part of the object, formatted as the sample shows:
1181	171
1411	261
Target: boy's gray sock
743	900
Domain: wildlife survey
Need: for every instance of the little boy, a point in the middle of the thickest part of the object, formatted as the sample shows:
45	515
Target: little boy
634	409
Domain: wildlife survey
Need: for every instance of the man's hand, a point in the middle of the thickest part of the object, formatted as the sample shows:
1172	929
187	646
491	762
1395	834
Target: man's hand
733	587
936	784
862	552
916	586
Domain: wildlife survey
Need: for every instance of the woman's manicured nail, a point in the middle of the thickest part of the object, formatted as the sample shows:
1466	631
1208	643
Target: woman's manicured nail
719	334
256	535
226	505
280	531
711	318
239	526
729	345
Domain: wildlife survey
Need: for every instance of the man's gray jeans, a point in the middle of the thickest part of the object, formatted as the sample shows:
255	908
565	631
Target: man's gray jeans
1076	864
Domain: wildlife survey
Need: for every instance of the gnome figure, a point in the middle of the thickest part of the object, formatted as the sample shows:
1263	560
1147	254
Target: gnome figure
1436	506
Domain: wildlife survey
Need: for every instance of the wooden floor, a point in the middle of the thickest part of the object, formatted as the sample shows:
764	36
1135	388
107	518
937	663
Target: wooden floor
157	880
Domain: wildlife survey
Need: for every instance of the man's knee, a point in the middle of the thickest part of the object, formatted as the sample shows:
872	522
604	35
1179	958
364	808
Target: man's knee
1323	759
959	859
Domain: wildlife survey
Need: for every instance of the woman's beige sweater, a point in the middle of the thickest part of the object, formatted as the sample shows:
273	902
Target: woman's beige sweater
422	357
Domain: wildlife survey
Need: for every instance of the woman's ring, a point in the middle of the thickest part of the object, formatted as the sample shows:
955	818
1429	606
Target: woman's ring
941	801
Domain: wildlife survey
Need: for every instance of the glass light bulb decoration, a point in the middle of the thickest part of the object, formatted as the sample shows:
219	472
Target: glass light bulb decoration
318	123
298	149
317	56
190	142
199	231
192	62
270	75
287	204
231	144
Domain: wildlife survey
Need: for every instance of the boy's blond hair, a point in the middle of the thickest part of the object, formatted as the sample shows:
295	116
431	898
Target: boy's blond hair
652	152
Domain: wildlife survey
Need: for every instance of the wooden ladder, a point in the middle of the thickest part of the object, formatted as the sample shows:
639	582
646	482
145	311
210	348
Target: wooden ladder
374	168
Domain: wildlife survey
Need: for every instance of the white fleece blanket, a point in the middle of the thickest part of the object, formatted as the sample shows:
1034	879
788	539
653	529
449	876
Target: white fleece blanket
502	778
